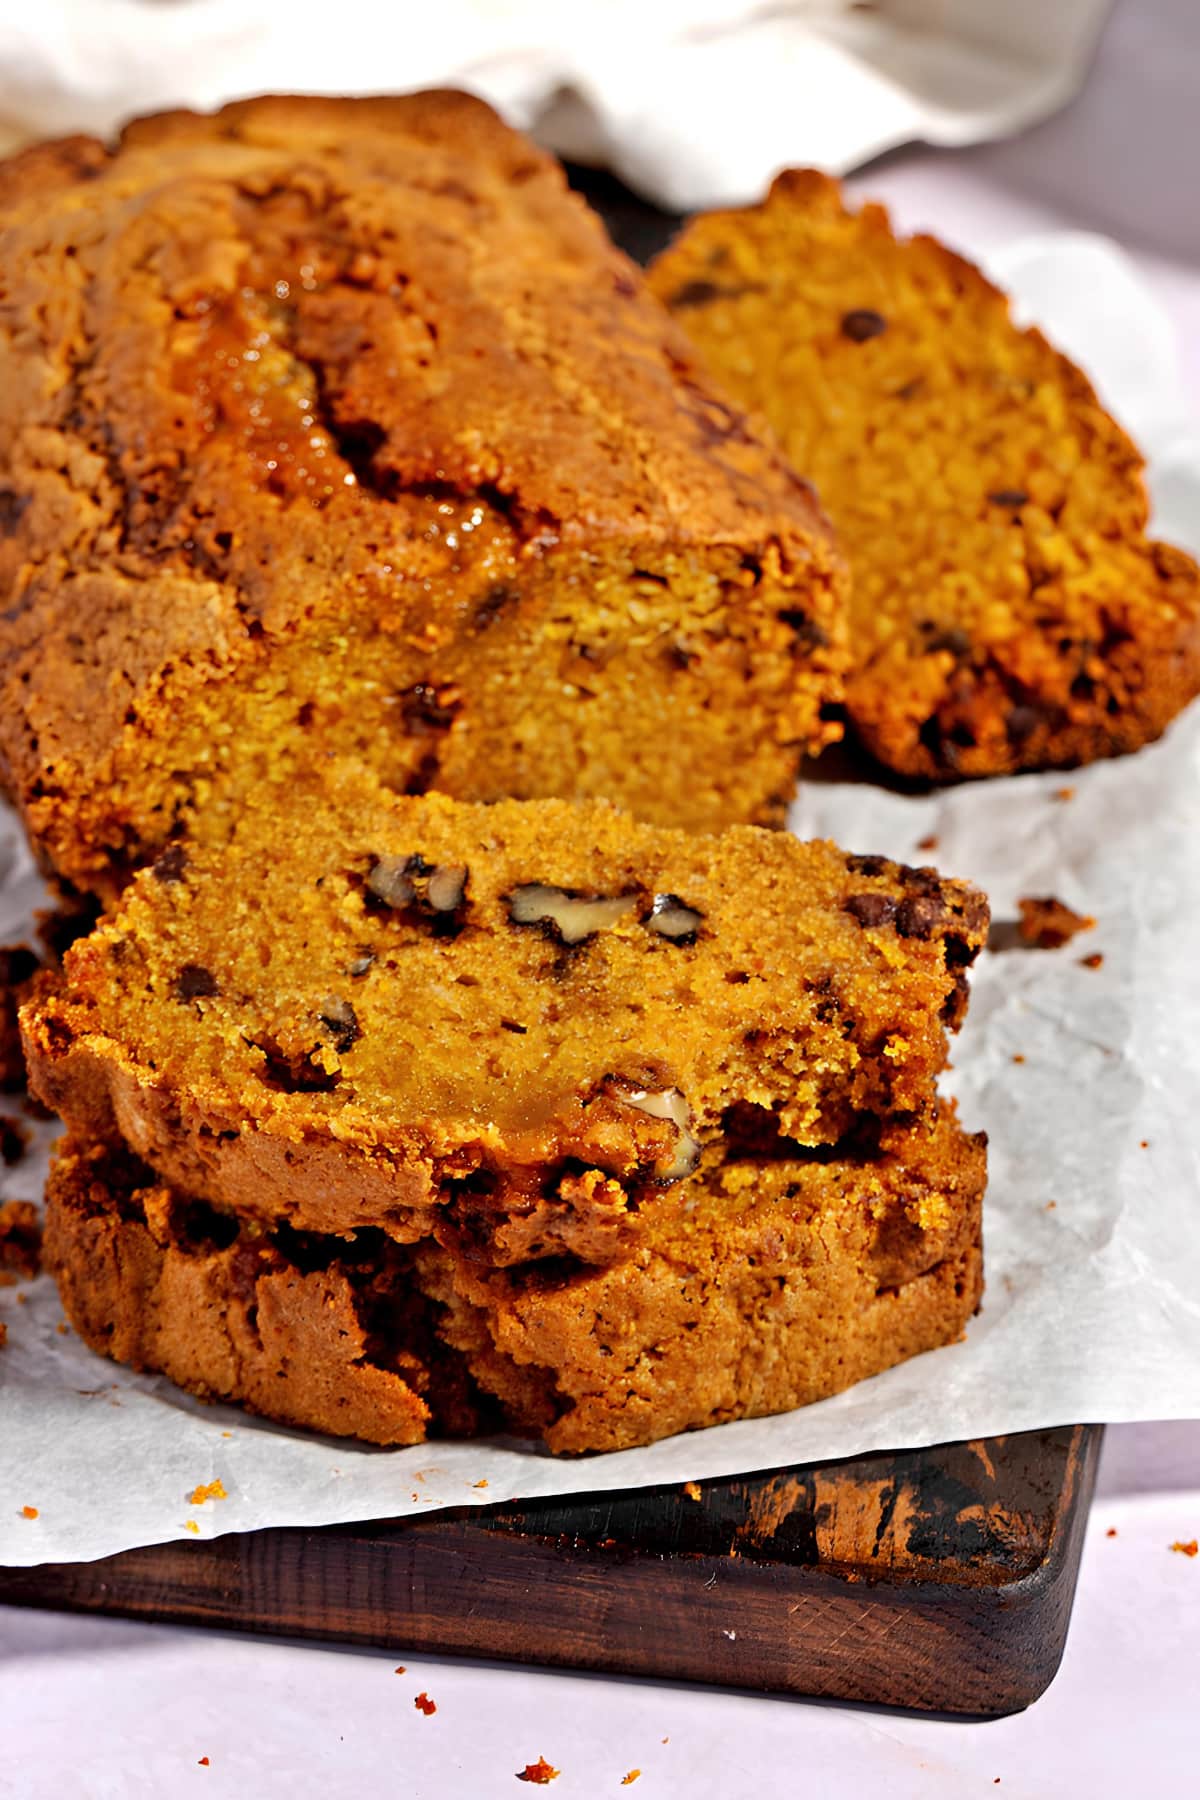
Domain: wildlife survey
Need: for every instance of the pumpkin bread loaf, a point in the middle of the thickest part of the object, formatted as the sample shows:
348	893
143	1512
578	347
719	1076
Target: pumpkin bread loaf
339	424
757	1286
501	1025
1009	610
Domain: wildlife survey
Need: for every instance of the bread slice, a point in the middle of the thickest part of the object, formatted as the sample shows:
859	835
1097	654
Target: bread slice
340	424
504	1025
1009	611
758	1286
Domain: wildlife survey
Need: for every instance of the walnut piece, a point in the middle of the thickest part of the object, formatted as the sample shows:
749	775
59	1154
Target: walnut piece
567	916
673	918
402	880
667	1103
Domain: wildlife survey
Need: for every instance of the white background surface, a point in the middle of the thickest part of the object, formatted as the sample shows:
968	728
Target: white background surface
101	1708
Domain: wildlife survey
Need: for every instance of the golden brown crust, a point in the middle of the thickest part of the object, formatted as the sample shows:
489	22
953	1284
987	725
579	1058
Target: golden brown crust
343	420
1009	611
287	1024
757	1288
143	1281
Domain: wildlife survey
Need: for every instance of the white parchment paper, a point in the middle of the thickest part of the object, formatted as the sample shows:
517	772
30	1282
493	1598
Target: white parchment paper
1092	1309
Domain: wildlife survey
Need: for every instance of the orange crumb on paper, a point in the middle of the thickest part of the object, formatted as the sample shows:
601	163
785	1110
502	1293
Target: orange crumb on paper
227	1434
628	1780
1190	1548
192	1526
208	1490
692	1490
1062	793
29	1512
400	1669
424	1704
479	1484
1018	1058
1111	1532
62	1328
928	843
204	1762
1144	1144
666	1740
1047	923
541	1773
1094	961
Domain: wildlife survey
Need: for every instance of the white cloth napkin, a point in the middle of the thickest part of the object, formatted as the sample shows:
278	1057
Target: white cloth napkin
693	102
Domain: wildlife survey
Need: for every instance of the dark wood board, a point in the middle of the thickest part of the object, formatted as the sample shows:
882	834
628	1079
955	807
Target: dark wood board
938	1579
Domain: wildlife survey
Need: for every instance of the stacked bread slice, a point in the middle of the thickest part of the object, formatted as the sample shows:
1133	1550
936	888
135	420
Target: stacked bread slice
395	1115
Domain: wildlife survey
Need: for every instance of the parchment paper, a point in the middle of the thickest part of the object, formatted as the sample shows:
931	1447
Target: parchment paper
1092	1309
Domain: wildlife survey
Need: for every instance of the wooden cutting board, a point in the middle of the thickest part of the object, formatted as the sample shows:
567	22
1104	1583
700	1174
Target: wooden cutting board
940	1579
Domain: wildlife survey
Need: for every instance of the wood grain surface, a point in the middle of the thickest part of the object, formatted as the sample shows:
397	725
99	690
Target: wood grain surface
938	1579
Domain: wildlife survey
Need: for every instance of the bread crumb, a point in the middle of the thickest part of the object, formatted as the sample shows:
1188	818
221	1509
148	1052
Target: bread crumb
1050	1205
1018	1058
1047	923
1190	1548
1094	961
1111	1532
424	1704
928	843
692	1490
192	1526
628	1780
203	1762
1143	1143
29	1512
208	1490
14	1140
62	1328
479	1484
541	1773
1063	793
20	1237
400	1669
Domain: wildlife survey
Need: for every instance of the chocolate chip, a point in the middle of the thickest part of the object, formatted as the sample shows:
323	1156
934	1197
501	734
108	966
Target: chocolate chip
1009	497
936	636
1023	720
11	507
863	323
920	915
869	865
341	1024
195	982
171	864
871	909
694	293
498	598
809	635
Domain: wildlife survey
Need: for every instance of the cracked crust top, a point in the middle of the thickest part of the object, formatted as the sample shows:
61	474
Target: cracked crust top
308	361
